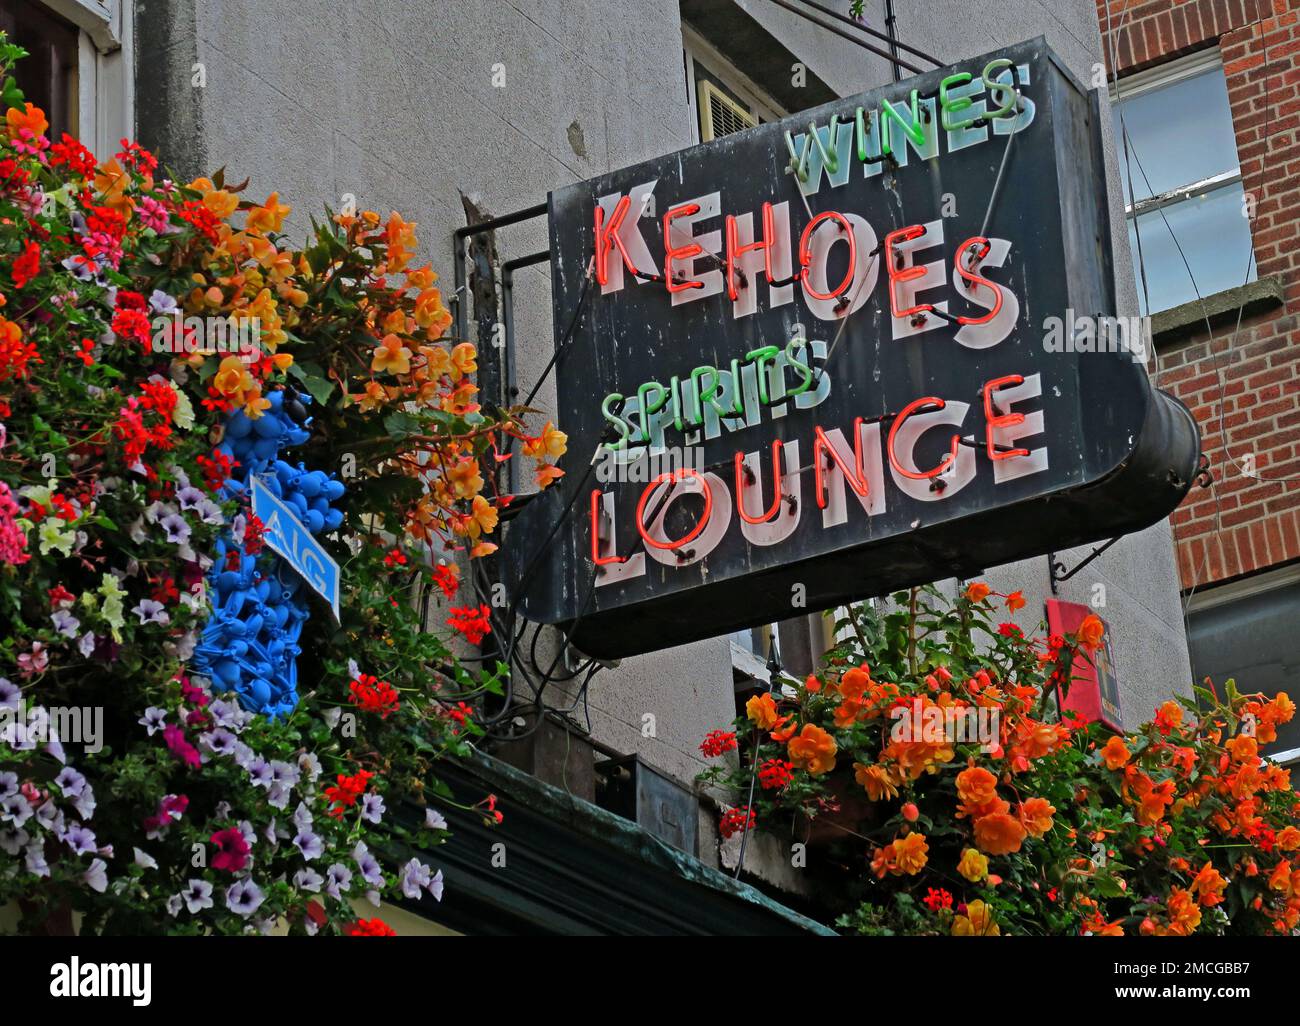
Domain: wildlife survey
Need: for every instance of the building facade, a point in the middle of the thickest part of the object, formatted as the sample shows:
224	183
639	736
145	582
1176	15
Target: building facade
456	113
1214	222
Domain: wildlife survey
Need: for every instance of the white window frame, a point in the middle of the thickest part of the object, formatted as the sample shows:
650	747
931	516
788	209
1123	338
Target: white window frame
758	102
105	69
1169	73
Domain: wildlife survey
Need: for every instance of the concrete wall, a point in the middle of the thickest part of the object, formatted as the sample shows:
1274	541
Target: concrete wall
394	103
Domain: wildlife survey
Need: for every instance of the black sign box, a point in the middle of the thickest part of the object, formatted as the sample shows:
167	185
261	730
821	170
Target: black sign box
943	482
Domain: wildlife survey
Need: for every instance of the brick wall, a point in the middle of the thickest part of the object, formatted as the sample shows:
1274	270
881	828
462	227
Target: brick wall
1255	522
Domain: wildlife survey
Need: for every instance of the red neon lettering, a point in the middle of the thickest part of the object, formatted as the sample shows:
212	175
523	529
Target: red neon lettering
993	420
975	279
607	238
677	475
805	253
735	249
674	253
857	477
908	410
897	275
777	480
596	557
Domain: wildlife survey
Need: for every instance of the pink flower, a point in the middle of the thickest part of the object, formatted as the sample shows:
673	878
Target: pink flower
174	736
153	215
35	661
13	539
232	850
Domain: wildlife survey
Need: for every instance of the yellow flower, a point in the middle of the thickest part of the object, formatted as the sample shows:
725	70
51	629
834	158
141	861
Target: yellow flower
977	922
220	202
390	355
910	853
269	217
463	359
484	515
551	442
466	481
974	866
761	710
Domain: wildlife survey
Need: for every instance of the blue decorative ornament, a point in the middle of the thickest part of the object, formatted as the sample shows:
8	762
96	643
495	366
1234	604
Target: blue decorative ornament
250	644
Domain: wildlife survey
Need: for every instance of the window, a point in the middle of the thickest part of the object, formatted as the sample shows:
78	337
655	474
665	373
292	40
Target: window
722	100
80	71
1182	182
48	75
1246	631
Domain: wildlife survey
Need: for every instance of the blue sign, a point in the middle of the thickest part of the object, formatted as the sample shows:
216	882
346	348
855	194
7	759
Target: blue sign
288	536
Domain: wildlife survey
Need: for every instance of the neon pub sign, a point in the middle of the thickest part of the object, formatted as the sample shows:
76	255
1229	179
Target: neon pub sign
826	335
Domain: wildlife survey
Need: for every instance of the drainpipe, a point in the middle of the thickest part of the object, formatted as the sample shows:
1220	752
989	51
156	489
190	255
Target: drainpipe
891	29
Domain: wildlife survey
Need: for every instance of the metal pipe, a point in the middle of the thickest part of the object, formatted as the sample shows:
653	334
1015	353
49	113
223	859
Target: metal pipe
459	238
896	61
508	269
890	34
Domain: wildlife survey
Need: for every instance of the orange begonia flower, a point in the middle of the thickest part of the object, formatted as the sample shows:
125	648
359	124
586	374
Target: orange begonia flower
976	785
1015	601
978	591
1114	754
1036	816
878	782
761	710
999	834
1091	631
813	750
910	853
30	117
1208	885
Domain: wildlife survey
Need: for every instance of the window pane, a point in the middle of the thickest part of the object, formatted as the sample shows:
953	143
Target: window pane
1181	133
1253	641
1215	238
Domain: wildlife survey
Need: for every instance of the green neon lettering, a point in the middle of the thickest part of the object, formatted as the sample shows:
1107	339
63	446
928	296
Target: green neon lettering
763	356
912	129
952	104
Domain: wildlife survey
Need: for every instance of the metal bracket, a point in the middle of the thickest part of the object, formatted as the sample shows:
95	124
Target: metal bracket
1057	572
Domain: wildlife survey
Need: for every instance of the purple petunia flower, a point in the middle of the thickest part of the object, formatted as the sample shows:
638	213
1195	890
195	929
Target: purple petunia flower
70	782
35	858
86	646
153	720
80	839
150	611
178	531
143	859
65	623
8	784
367	865
244	897
11	695
415	877
15	809
12	840
339	879
434	820
308	880
309	844
219	742
435	886
197	896
372	808
96	877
